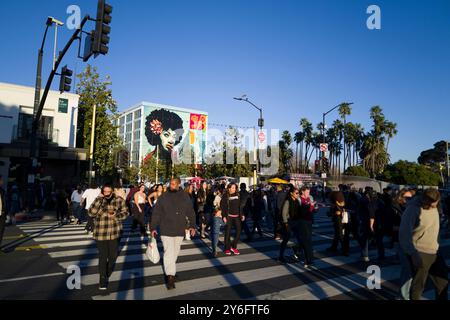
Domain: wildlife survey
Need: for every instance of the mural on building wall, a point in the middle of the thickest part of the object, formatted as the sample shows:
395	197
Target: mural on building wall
175	132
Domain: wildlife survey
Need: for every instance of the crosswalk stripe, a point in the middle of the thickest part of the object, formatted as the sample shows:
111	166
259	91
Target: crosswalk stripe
69	245
320	290
214	282
127	237
186	252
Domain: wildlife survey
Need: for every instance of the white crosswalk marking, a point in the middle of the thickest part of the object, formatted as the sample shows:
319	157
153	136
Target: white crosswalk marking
255	274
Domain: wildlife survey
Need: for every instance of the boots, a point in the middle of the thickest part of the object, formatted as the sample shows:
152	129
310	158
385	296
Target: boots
170	282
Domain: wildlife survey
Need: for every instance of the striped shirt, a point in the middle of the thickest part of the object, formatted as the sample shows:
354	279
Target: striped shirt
108	227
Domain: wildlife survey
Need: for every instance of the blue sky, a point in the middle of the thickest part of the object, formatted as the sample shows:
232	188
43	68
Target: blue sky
294	58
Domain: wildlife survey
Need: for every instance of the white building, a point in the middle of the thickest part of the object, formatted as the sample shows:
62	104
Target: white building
57	131
132	128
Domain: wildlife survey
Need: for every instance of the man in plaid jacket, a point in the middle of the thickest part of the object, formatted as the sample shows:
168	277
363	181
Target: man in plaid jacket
108	212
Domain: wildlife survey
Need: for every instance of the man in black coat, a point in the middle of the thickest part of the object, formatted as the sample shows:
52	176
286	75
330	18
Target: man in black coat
173	214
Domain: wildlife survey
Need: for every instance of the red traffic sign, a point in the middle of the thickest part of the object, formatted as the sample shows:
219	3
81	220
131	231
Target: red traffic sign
262	137
324	147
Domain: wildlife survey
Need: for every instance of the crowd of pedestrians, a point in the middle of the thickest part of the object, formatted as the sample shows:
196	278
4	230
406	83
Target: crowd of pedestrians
408	221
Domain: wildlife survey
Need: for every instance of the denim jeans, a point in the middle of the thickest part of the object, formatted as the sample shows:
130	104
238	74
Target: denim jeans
77	210
405	273
217	223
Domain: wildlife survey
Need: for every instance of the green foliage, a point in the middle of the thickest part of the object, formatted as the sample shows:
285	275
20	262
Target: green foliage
95	91
410	173
357	171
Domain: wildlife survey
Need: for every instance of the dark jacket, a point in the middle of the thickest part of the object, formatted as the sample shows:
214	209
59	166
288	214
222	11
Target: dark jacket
246	202
290	211
173	212
231	204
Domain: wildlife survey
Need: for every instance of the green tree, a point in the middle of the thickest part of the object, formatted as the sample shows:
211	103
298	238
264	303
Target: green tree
410	173
345	110
95	91
356	171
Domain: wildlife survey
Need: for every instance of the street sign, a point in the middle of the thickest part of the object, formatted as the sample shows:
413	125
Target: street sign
262	137
324	147
63	105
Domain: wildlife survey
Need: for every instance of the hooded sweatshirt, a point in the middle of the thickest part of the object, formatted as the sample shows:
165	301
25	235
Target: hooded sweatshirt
419	230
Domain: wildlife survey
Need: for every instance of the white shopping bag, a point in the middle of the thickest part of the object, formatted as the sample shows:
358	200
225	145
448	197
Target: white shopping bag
345	217
152	251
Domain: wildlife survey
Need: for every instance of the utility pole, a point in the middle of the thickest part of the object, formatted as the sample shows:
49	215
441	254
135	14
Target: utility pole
261	126
91	152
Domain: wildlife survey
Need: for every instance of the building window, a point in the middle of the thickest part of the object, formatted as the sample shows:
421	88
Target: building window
137	135
137	125
137	114
129	117
45	130
129	127
135	156
128	138
122	120
121	130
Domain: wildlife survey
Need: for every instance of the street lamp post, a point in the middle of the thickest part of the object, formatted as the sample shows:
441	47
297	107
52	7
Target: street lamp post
261	126
324	141
37	95
324	124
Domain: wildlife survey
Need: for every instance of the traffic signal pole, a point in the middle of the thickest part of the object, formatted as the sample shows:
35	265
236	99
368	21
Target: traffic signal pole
91	151
38	112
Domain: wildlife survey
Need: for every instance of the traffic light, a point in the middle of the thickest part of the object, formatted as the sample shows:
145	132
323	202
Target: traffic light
325	165
102	29
66	80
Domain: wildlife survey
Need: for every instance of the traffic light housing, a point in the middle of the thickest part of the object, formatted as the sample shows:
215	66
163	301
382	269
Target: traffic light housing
102	29
325	165
66	80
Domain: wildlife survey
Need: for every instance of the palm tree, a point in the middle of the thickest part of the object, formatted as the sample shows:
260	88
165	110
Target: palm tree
374	155
287	153
307	128
344	111
298	138
338	127
359	135
390	129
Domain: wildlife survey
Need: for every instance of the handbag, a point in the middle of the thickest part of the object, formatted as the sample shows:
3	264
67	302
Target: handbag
153	252
345	218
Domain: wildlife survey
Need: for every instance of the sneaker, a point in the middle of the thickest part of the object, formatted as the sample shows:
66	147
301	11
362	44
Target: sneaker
103	284
228	252
235	251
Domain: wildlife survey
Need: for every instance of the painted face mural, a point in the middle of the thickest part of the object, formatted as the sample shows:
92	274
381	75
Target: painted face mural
173	132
